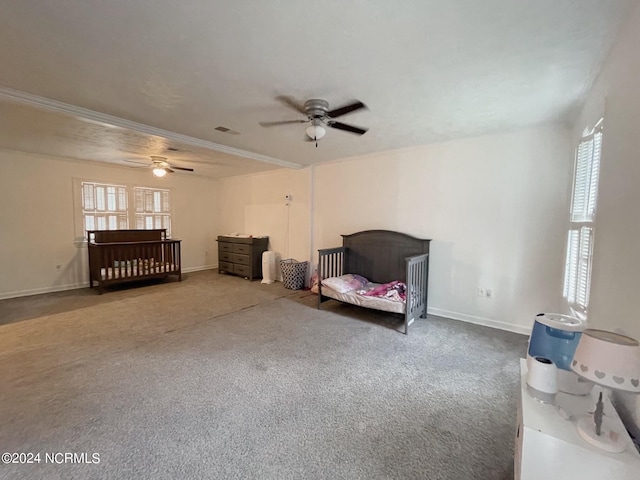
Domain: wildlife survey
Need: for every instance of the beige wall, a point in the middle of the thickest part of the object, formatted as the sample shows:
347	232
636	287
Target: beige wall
616	270
495	207
615	279
38	253
255	205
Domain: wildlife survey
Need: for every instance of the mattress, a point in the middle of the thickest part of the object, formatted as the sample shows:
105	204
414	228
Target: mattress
375	303
132	271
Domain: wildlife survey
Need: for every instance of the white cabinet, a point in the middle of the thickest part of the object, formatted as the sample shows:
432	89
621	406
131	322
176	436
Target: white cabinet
548	446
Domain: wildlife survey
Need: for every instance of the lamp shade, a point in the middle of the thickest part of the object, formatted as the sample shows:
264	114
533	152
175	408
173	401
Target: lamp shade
159	172
316	132
608	359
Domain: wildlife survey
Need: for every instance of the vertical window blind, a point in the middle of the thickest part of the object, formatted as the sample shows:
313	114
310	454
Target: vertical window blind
106	207
152	208
577	279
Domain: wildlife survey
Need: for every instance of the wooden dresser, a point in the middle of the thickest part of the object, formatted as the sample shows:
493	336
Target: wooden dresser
241	256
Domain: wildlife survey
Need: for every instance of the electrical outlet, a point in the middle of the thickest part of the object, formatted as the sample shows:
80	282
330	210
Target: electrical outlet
481	292
490	292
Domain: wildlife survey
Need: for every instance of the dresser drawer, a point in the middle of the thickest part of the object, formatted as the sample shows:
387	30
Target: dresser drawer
225	267
225	247
241	259
224	256
241	248
243	270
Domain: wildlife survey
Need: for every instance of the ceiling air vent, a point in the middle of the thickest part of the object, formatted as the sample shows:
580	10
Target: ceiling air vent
226	130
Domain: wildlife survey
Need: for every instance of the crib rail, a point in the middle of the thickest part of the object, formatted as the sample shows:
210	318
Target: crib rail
417	286
330	264
113	262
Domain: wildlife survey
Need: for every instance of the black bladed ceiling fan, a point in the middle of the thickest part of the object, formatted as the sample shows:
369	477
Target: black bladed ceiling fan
160	166
318	115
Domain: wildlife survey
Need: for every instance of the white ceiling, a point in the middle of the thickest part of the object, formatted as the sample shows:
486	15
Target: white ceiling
121	79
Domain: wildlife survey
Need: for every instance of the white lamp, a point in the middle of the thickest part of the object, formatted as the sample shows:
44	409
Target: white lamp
159	172
612	361
316	131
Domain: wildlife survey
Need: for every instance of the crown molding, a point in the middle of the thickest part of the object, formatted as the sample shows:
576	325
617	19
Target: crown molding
109	120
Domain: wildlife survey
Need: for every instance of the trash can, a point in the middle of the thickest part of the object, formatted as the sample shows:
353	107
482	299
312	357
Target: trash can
293	273
268	267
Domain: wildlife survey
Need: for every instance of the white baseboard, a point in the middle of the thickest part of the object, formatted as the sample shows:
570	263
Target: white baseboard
487	322
75	286
38	291
199	269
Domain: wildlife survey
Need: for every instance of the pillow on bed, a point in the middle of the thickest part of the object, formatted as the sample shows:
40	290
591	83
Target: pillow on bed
345	283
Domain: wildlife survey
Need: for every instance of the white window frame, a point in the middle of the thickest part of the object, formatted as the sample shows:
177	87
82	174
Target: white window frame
579	252
118	200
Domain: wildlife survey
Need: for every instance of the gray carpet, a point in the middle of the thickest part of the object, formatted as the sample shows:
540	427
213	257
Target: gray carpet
217	377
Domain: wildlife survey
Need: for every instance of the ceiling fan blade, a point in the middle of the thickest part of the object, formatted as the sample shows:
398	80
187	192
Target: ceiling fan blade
291	103
167	169
281	122
139	163
182	168
347	128
346	109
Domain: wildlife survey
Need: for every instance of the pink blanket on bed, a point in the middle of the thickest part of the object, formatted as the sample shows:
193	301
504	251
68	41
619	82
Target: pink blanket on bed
395	290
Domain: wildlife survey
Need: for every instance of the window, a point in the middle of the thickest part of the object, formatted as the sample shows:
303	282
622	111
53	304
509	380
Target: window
577	277
104	207
108	207
153	208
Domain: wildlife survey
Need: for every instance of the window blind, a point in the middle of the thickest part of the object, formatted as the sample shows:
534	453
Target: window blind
577	279
106	207
152	208
585	190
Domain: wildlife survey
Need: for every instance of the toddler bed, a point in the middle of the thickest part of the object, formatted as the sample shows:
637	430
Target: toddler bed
117	256
377	269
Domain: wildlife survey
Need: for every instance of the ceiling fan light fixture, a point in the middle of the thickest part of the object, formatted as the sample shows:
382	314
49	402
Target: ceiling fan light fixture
318	114
316	132
159	172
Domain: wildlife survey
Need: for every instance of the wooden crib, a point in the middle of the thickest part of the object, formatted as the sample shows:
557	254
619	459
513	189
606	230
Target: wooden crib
381	256
118	256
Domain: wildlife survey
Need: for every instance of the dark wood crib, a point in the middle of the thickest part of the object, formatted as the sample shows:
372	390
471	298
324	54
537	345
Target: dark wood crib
118	256
381	256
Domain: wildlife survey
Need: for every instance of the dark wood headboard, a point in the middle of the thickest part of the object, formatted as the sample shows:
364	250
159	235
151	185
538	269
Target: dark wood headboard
113	236
379	255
